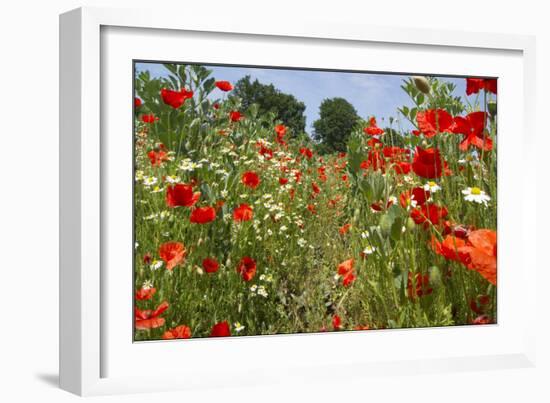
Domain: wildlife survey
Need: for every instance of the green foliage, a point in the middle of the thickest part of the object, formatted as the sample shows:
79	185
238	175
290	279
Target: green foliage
285	107
440	97
337	118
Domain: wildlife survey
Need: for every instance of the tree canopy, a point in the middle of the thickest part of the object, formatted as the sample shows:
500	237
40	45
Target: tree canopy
270	99
337	118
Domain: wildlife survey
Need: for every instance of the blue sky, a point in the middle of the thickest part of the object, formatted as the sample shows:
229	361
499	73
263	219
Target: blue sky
371	94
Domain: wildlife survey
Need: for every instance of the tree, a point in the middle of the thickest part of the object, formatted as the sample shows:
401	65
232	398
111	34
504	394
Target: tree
337	118
269	99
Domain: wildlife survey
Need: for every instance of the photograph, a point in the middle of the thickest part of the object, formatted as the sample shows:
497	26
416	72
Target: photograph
271	200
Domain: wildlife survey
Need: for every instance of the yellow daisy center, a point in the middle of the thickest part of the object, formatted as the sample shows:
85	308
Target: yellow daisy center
431	184
475	191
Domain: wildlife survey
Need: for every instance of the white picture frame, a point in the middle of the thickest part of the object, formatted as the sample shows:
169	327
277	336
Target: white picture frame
85	301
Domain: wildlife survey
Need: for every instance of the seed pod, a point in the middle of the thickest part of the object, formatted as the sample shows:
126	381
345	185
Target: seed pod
422	84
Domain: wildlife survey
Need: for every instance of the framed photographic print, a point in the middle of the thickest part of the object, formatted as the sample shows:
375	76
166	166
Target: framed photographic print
229	192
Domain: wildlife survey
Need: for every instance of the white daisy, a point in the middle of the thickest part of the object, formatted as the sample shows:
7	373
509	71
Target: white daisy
475	194
173	179
149	181
156	264
369	250
262	291
238	327
432	187
139	175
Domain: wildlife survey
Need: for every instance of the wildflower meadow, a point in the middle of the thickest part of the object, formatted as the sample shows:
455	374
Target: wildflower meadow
244	224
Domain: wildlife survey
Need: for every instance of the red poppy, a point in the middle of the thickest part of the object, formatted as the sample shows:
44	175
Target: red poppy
280	130
316	189
224	85
418	285
250	179
306	152
427	163
375	160
175	99
157	157
283	181
349	279
336	322
220	329
473	128
478	252
482	251
482	320
458	230
402	168
374	142
291	193
480	304
179	332
428	213
235	116
433	121
203	215
321	171
267	153
173	253
243	213
149	319
344	228
417	194
210	265
345	269
137	102
311	208
145	293
372	129
247	268
149	118
181	195
451	248
147	258
474	85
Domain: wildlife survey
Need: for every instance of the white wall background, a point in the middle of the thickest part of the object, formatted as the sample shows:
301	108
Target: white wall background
29	201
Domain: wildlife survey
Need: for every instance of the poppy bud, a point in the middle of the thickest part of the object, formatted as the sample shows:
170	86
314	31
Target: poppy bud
435	276
410	224
385	224
492	106
422	84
